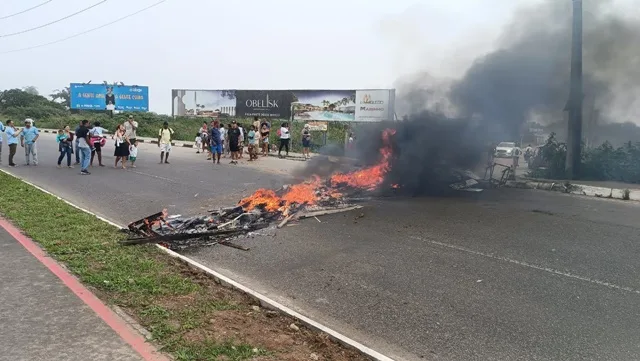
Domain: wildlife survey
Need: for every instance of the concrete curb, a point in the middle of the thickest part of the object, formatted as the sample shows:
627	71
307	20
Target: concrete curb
264	301
578	189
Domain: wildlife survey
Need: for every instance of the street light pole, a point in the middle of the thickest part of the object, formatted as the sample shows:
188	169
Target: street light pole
576	96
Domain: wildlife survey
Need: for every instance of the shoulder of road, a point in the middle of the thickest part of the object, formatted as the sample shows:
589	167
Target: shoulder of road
611	190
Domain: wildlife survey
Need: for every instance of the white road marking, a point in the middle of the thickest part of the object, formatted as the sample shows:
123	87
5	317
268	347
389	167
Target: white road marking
532	266
264	300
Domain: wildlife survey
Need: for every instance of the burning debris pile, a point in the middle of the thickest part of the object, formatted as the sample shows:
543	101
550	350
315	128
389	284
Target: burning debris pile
269	209
266	208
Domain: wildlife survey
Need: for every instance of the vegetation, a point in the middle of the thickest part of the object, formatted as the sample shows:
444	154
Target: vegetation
604	163
187	314
19	104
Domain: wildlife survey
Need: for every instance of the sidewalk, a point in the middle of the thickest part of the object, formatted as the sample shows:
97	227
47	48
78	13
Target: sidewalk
42	318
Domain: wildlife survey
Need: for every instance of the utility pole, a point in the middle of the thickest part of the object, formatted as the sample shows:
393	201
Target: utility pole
576	96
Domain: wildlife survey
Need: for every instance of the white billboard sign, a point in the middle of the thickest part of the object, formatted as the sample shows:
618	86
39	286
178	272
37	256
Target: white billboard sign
375	105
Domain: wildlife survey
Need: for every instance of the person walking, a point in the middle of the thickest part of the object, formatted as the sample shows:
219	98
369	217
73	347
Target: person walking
130	127
84	147
285	137
1	131
306	141
65	146
28	138
97	142
216	141
122	146
13	134
164	142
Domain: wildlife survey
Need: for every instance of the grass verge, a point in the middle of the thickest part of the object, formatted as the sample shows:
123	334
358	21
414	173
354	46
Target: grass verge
188	315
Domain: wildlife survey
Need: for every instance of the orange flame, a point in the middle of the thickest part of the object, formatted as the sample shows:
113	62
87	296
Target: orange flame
369	178
262	197
306	193
302	193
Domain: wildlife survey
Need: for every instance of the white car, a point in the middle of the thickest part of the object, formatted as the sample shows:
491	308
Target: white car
505	150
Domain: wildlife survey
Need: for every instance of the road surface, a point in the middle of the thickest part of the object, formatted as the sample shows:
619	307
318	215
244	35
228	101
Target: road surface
504	275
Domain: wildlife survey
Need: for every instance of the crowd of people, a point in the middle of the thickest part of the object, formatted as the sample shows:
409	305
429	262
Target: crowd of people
87	141
216	140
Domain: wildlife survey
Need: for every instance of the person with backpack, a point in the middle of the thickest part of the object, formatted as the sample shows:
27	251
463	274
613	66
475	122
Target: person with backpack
164	142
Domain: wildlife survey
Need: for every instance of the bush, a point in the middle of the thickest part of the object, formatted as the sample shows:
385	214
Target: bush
603	163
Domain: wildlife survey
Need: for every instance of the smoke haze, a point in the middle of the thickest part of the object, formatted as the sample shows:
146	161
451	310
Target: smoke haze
527	74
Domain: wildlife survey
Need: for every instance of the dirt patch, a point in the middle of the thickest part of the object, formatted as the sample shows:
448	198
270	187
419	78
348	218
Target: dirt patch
220	314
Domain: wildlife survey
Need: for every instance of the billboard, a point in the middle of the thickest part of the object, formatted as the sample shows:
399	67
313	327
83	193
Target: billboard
109	97
375	105
264	103
306	105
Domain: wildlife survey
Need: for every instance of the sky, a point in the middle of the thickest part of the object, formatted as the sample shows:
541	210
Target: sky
245	44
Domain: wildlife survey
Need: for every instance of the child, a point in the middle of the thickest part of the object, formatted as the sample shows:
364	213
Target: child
198	143
133	153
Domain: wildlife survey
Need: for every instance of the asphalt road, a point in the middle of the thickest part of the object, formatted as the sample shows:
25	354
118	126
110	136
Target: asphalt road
504	275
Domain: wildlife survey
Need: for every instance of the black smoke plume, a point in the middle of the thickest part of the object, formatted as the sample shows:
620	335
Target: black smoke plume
527	76
449	124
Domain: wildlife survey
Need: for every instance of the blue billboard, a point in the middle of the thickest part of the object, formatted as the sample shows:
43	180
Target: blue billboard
109	97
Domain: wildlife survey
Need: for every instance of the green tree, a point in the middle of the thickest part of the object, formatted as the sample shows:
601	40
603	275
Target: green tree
62	96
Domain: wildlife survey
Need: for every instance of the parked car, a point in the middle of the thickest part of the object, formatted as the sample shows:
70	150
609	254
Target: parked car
505	149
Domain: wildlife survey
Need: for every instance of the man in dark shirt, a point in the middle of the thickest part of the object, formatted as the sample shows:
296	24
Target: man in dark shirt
234	142
215	141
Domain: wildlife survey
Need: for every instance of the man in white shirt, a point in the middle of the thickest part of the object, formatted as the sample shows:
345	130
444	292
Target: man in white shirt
130	128
241	140
223	135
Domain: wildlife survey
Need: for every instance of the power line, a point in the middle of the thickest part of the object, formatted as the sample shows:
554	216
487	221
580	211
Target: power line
26	10
86	31
53	22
